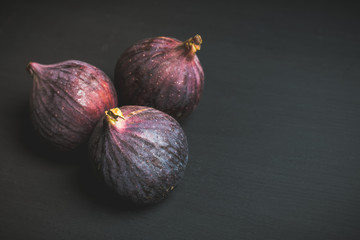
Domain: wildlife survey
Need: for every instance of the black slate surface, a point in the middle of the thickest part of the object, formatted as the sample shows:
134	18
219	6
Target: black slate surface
274	143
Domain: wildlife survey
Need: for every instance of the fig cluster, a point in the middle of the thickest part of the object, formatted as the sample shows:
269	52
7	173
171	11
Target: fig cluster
138	149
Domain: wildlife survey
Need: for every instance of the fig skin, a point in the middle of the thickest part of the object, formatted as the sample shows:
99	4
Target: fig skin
67	100
139	152
163	73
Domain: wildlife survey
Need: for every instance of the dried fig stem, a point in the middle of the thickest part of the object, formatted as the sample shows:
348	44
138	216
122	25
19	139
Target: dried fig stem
113	114
30	69
193	44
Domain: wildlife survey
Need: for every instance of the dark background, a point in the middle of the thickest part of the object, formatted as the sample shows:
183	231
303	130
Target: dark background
274	143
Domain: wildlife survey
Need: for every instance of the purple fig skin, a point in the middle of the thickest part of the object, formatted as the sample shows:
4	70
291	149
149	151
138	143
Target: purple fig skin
163	73
67	100
139	152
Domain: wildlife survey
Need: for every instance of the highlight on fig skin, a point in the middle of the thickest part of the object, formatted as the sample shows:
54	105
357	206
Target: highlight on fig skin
163	73
67	100
141	156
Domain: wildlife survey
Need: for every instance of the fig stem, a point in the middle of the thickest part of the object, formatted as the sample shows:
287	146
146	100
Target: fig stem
113	114
193	44
30	69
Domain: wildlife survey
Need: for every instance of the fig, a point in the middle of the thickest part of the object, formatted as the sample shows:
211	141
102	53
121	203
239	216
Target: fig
163	73
139	152
67	100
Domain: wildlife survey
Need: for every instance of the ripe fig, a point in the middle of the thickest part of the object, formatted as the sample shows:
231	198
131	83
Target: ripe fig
139	152
163	73
67	100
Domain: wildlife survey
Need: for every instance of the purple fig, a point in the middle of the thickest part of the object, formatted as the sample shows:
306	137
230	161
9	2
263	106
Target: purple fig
163	73
67	100
139	152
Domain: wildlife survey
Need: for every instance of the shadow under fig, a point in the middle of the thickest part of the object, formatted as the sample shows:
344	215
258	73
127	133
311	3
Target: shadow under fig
33	144
85	182
96	190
